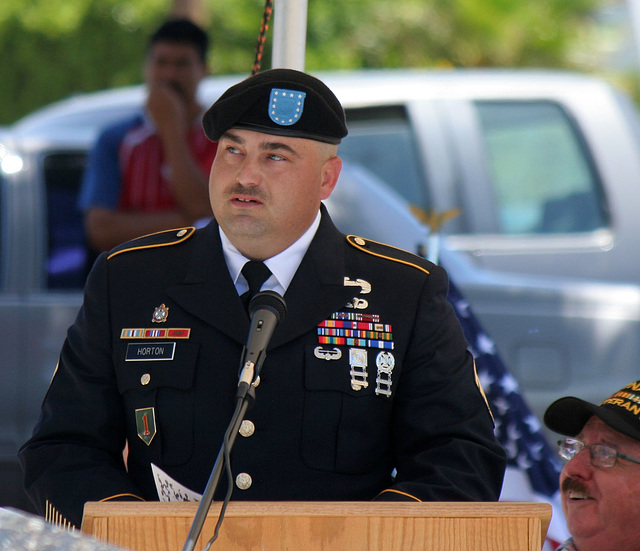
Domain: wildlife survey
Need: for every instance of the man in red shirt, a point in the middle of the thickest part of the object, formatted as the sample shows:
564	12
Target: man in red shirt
150	172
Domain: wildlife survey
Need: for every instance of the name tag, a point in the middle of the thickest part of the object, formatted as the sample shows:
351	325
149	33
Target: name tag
150	351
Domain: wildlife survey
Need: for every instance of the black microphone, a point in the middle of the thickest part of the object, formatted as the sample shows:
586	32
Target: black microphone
266	309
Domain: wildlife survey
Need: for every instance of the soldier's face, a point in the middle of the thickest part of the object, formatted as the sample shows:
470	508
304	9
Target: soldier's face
266	190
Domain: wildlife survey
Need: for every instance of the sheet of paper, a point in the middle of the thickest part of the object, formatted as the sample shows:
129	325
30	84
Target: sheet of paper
171	490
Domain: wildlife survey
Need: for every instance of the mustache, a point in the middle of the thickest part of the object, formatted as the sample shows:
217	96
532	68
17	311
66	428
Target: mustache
251	191
571	484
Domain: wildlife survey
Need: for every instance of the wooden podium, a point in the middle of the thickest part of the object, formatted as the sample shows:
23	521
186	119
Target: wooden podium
324	526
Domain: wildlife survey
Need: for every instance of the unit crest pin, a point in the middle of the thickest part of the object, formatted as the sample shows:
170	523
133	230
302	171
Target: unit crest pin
160	314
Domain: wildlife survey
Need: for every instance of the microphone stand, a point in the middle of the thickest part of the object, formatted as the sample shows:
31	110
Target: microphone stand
245	398
253	356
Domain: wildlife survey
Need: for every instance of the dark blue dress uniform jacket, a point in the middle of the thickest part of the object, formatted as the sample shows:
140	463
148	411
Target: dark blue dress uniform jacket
316	437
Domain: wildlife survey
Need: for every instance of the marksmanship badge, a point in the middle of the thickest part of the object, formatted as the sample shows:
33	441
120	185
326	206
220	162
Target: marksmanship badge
286	106
385	363
358	361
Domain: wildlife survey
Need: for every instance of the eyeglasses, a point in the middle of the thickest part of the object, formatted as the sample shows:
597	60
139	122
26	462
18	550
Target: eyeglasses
601	455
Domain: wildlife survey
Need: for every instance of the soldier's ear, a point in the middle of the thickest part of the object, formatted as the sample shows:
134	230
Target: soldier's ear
330	173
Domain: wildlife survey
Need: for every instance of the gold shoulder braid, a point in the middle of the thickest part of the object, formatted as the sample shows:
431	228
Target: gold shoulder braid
153	240
382	250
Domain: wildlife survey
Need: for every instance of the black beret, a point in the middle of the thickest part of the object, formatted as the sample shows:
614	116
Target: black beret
282	102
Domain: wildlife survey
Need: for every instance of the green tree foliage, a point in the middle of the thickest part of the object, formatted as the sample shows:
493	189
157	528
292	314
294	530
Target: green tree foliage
55	48
457	33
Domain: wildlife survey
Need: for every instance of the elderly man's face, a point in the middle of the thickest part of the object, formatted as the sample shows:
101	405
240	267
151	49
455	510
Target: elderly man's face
601	504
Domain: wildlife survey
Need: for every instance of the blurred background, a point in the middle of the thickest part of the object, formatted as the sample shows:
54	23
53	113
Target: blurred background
563	305
52	49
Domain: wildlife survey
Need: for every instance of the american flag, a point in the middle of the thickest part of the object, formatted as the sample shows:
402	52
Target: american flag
533	468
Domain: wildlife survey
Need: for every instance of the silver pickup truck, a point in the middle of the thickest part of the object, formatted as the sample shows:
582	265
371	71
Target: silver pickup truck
542	168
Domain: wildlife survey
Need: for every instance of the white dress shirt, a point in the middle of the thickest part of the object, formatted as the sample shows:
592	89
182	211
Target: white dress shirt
283	266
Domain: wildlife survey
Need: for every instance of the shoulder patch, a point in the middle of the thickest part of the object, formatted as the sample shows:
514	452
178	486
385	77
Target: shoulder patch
381	250
160	239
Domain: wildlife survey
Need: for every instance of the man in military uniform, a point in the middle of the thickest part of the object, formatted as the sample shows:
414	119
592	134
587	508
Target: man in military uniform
367	392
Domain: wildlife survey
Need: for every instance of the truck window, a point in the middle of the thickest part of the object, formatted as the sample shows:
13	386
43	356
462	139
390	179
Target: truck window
67	252
544	181
382	141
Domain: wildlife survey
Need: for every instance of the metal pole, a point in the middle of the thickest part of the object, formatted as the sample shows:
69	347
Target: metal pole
633	7
289	34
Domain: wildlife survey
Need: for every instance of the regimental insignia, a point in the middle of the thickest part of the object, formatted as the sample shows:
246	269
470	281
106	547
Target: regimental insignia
358	362
146	424
286	106
160	314
385	362
324	354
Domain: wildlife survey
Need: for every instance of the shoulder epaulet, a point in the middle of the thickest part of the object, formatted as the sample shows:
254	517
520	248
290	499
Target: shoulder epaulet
153	240
381	250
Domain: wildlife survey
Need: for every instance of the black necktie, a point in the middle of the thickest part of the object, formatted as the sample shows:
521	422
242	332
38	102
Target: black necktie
256	273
